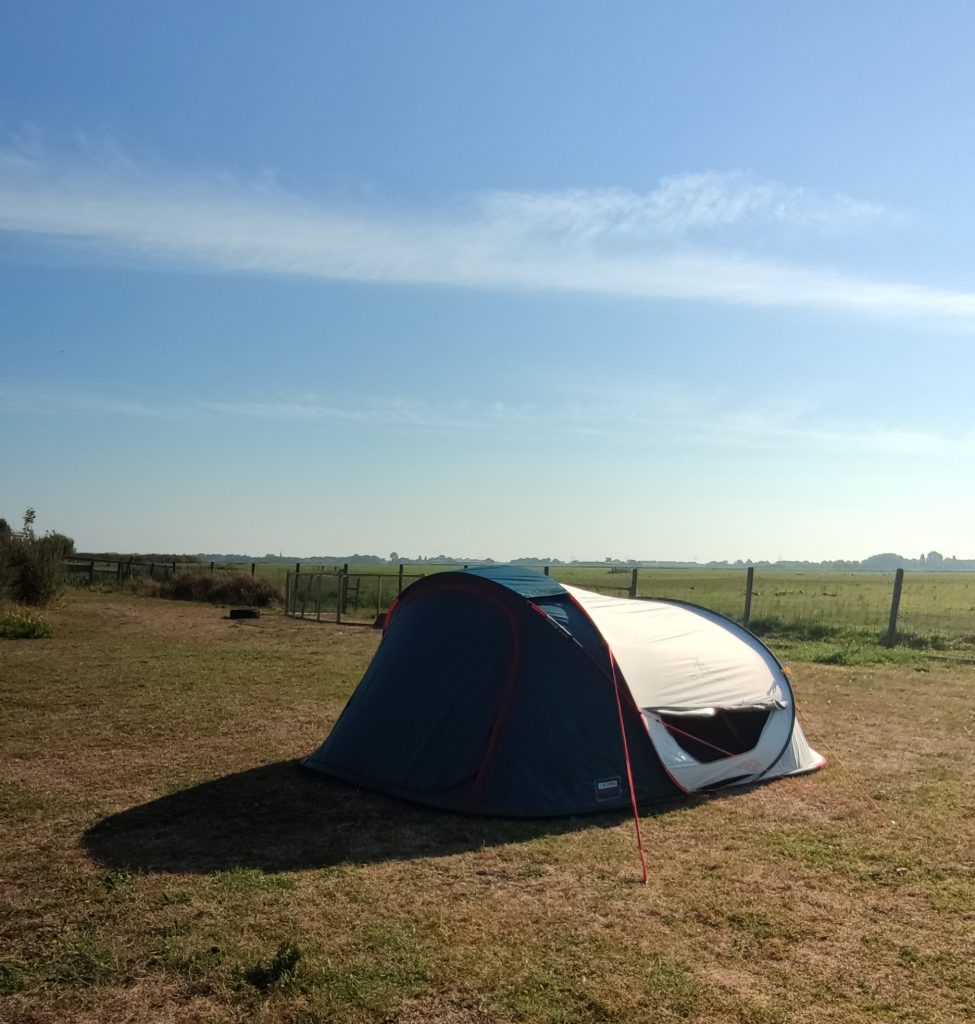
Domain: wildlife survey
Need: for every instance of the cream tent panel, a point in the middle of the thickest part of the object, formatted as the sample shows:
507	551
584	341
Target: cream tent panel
679	660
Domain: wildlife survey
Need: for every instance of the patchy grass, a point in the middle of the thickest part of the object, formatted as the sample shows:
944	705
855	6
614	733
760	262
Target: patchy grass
82	960
20	623
166	859
13	977
845	644
248	881
277	973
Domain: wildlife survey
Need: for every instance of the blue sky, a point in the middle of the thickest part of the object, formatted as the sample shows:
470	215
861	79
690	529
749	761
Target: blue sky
623	280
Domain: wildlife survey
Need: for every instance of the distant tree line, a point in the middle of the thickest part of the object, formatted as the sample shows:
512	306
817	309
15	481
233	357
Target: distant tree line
933	561
144	556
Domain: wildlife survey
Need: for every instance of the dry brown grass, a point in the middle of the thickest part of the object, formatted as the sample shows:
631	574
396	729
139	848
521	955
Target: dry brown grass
161	849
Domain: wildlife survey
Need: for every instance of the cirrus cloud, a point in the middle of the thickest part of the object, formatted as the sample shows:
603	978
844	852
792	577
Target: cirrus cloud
676	241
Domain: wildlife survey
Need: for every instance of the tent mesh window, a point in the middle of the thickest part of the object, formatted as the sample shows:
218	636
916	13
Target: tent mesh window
717	733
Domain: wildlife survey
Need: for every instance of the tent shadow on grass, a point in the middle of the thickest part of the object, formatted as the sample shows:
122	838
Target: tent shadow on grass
280	817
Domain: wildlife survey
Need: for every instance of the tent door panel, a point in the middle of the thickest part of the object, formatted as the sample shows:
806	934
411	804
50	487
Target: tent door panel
431	695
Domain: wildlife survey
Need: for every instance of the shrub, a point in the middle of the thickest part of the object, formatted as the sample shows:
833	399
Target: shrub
31	567
187	586
239	589
144	586
244	589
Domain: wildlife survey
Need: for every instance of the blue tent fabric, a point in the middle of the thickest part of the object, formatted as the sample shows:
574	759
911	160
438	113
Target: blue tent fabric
475	702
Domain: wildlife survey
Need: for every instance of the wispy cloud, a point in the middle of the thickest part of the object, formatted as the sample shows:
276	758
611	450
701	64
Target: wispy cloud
674	242
56	402
682	206
670	416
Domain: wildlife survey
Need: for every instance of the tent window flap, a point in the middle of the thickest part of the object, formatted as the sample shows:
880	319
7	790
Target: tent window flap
718	733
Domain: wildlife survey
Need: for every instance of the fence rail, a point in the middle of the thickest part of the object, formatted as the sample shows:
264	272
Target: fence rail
107	570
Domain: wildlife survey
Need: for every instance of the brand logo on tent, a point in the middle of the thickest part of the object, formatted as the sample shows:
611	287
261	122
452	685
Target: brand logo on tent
607	789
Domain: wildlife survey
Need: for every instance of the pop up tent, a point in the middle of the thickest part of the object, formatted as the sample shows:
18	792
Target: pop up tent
500	691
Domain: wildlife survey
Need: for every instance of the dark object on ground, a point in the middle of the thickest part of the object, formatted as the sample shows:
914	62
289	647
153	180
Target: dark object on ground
245	613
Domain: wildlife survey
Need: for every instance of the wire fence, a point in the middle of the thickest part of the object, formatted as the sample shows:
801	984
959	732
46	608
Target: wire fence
344	596
116	570
895	606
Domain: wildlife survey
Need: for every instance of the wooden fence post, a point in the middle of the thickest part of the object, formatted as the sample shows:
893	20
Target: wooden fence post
746	615
634	575
399	588
211	568
895	602
91	572
343	580
545	569
253	567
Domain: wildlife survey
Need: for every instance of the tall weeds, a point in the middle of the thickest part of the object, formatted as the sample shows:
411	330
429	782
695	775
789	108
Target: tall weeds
238	589
31	567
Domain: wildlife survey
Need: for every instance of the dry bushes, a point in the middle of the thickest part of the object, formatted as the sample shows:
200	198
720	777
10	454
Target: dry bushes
239	589
31	567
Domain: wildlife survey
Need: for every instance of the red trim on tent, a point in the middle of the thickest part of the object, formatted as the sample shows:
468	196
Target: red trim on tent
389	614
629	769
615	677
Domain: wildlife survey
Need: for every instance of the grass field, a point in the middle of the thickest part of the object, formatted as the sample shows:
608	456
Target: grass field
165	859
